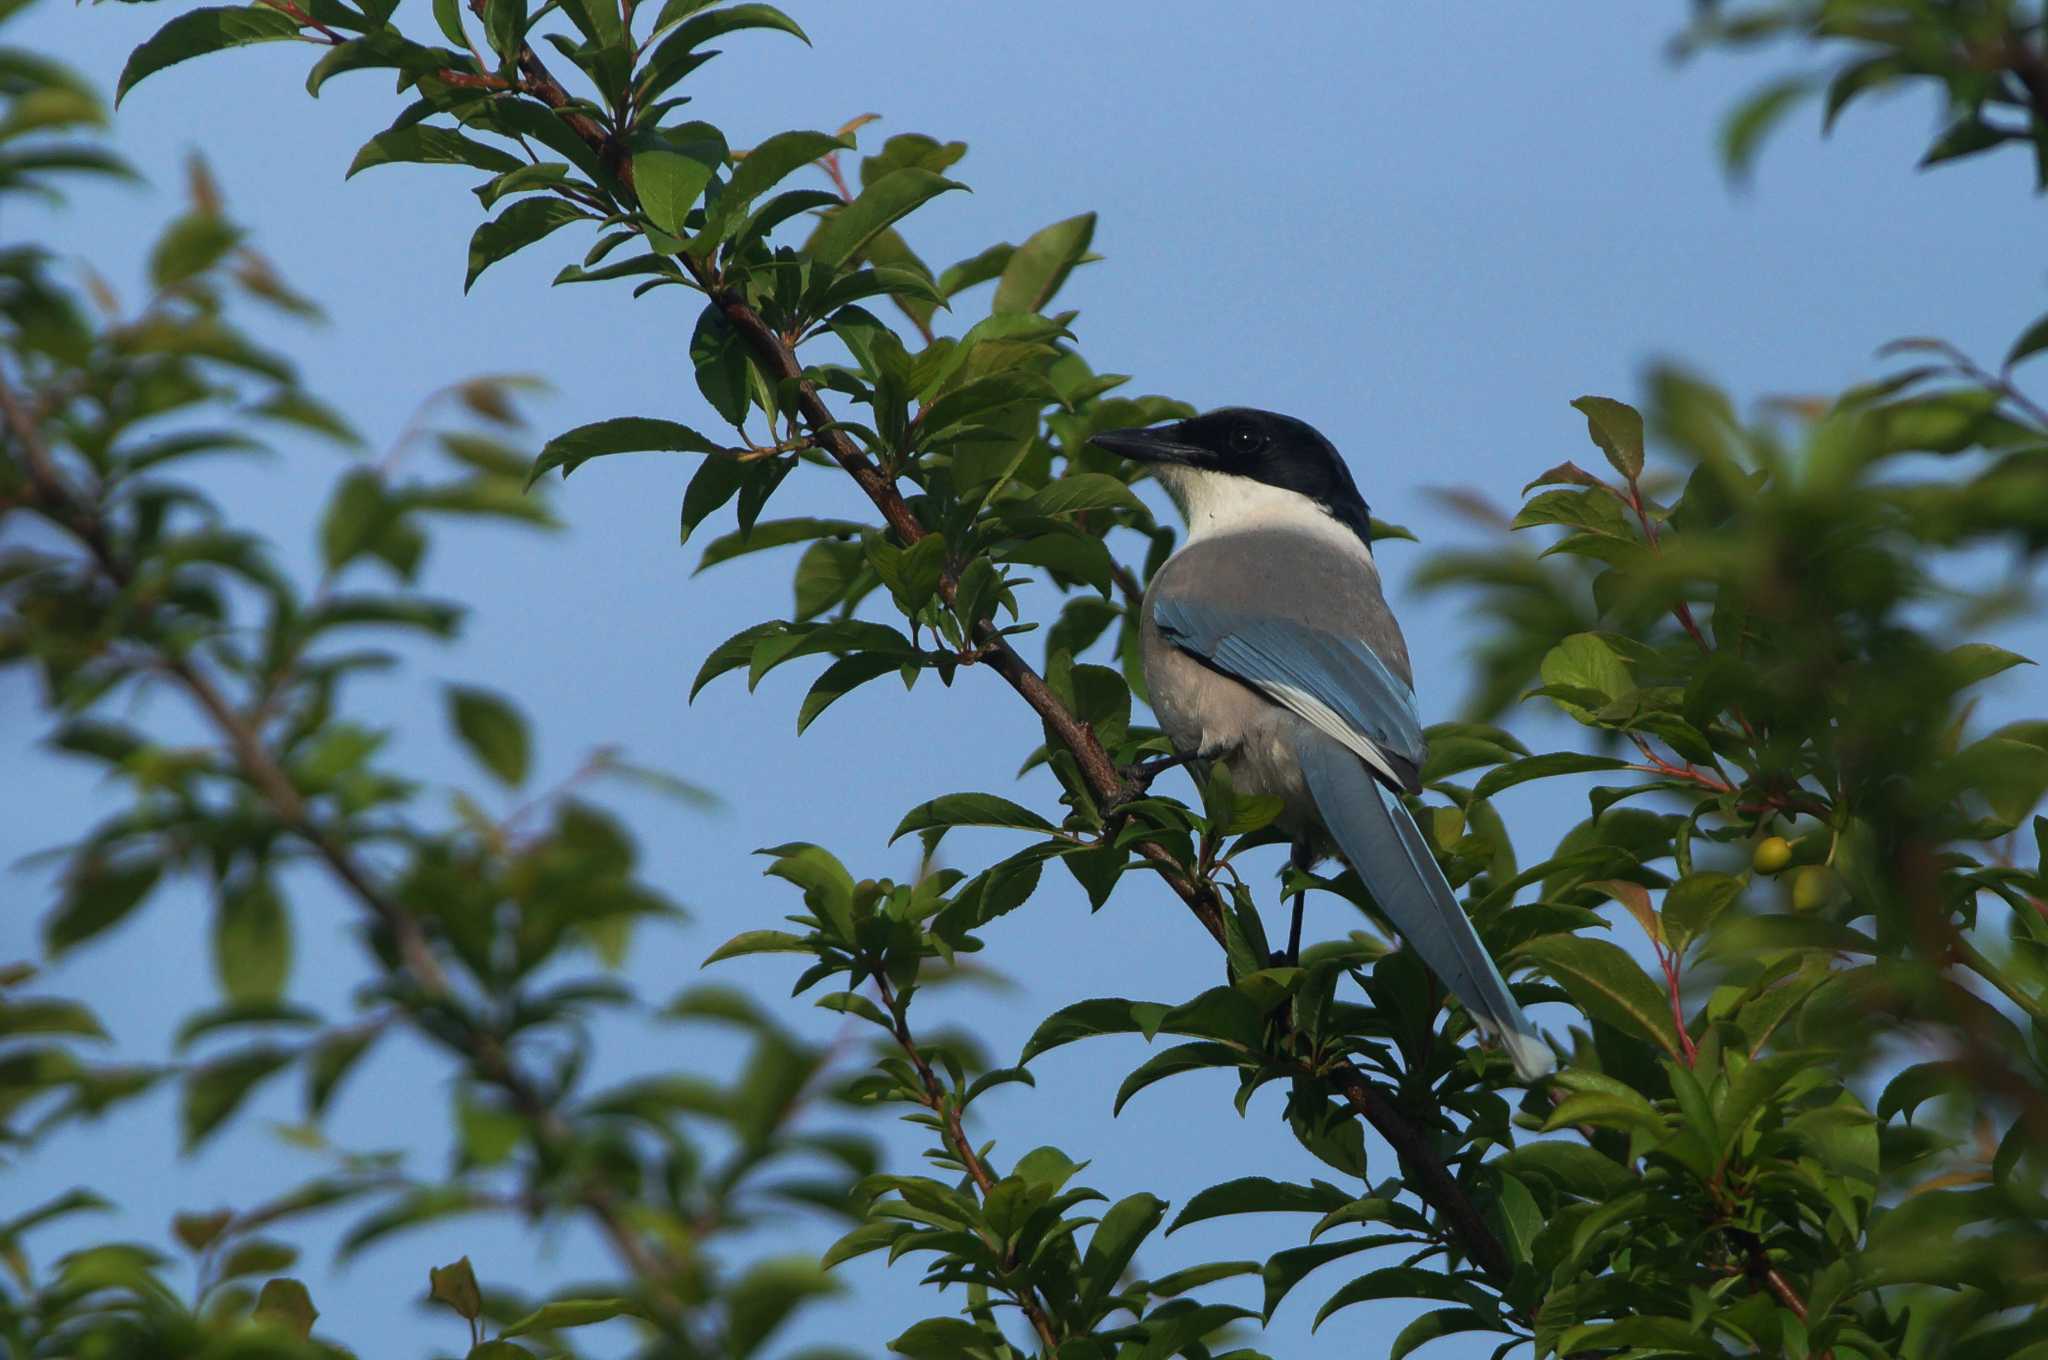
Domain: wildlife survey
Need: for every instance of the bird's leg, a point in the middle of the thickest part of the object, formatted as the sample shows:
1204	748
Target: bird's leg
1143	772
1299	860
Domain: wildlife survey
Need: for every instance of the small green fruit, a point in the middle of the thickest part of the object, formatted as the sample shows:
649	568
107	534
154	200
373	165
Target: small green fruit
1812	886
1773	853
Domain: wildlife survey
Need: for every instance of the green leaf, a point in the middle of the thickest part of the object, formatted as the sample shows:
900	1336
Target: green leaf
1399	1282
216	1090
1967	136
200	31
553	1317
776	533
1172	1062
763	1298
285	1303
1586	661
1607	984
252	941
969	809
2032	341
723	368
330	1060
731	19
98	896
1286	1269
493	730
989	264
881	204
1259	1195
190	246
1082	1020
1116	1240
1975	662
1742	135
1036	269
1541	767
1618	429
1441	1323
519	226
759	171
871	1236
505	27
620	434
1082	491
42	1015
448	18
1572	1167
670	171
841	678
944	1338
1181	1281
711	486
455	1285
425	144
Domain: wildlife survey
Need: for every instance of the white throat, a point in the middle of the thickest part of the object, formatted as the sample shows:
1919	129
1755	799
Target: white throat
1216	503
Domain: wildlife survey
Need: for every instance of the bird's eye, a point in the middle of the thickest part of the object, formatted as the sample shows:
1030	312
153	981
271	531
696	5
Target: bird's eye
1247	439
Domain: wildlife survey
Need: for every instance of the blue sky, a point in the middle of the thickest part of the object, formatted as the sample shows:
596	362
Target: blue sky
1423	228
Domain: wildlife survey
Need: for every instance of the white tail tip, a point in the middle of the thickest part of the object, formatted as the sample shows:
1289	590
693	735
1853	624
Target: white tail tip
1531	1056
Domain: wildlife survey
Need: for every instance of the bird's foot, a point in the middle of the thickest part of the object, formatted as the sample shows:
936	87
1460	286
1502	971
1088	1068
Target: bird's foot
1141	773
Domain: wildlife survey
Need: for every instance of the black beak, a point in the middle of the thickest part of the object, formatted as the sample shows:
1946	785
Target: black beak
1158	444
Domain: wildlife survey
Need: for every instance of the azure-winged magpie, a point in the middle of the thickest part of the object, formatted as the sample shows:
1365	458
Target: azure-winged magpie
1268	643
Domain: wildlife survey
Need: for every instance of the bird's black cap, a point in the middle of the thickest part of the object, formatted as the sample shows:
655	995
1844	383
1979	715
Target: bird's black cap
1239	441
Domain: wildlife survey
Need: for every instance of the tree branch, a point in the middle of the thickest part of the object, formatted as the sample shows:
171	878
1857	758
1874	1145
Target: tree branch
1420	1159
956	1138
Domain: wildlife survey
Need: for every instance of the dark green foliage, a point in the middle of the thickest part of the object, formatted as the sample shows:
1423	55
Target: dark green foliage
1807	859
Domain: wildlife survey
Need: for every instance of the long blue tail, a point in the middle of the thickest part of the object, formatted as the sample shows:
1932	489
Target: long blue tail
1386	848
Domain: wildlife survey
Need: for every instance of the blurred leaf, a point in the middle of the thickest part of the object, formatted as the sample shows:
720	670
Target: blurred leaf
252	941
492	729
455	1286
285	1303
215	1090
761	1300
1742	135
97	897
190	246
563	1313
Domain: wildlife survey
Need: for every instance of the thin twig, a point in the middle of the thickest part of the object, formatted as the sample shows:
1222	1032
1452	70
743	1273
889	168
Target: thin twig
956	1138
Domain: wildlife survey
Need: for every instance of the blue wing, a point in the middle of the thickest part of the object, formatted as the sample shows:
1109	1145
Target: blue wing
1337	684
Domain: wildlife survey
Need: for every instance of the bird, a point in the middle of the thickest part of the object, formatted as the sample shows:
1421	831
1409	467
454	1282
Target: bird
1268	644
